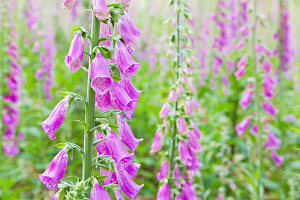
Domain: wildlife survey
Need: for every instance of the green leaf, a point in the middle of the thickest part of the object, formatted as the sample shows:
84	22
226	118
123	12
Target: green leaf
84	32
98	141
60	145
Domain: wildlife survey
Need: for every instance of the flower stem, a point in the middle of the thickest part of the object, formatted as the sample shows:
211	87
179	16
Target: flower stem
174	131
90	109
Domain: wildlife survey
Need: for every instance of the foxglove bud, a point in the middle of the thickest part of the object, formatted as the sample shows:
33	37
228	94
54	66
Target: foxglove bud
181	125
158	141
164	170
101	81
267	65
164	112
56	196
68	4
55	170
56	118
242	126
100	9
164	192
74	58
272	141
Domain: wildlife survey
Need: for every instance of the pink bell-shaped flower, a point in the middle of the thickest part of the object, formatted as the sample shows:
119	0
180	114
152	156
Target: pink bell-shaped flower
158	141
277	159
164	192
103	102
164	170
56	196
75	55
184	153
100	9
129	88
242	126
98	193
181	125
272	141
164	112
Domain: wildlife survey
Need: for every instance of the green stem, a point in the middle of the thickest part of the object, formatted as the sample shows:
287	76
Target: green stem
257	103
174	131
90	109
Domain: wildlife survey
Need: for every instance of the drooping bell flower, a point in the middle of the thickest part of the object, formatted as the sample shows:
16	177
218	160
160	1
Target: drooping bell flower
180	89
129	31
193	143
267	65
100	9
103	102
225	80
121	100
188	108
230	66
254	129
158	141
179	197
9	132
184	153
181	125
101	81
105	30
173	96
246	99
11	148
269	85
164	170
128	67
68	4
188	192
269	108
272	141
10	115
242	126
164	192
289	118
55	170
74	58
164	112
195	103
217	63
195	130
126	134
242	62
98	193
240	44
177	175
192	87
240	72
195	164
56	196
56	118
129	88
39	74
277	159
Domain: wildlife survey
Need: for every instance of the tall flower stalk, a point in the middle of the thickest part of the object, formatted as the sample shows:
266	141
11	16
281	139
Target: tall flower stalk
109	88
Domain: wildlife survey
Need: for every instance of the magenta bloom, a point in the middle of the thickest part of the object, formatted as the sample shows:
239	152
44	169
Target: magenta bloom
56	196
9	132
240	44
290	118
164	112
242	62
240	72
11	148
230	66
164	170
267	65
10	115
55	170
128	67
103	102
184	153
126	134
56	118
195	130
180	89
98	193
105	30
269	108
269	85
164	192
272	141
39	74
121	100
74	58
100	9
242	126
173	96
195	103
179	197
277	159
188	108
246	99
254	129
129	88
193	143
101	81
181	125
158	141
188	192
68	4
177	175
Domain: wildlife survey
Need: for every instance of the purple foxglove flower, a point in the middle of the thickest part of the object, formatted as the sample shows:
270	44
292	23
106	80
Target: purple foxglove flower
179	197
101	81
129	31
39	74
10	115
193	168
74	58
56	170
56	118
105	30
192	87
188	192
242	62
181	125
267	65
240	72
128	67
217	63
9	132
158	141
56	196
195	130
121	100
220	197
100	9
195	103
232	185
173	96
129	88
184	153
164	170
277	159
188	108
258	48
126	134
242	126
11	82
246	99
269	85
269	108
254	129
230	66
177	175
272	141
21	136
164	112
290	118
110	176
225	80
11	98
164	192
98	193
193	143
68	4
11	148
240	44
180	89
103	102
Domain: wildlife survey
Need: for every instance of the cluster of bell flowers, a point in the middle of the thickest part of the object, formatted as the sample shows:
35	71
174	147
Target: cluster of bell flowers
120	95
